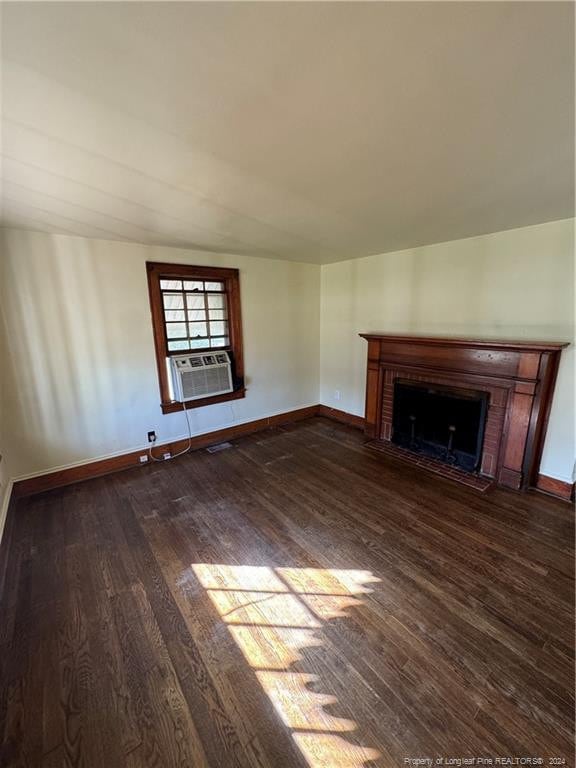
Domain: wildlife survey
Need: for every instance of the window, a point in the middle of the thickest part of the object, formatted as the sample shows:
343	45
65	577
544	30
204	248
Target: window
195	309
195	314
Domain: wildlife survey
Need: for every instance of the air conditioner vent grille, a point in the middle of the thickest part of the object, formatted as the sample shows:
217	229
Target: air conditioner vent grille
204	381
202	375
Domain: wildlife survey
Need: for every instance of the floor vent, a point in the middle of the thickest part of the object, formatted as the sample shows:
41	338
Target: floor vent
219	447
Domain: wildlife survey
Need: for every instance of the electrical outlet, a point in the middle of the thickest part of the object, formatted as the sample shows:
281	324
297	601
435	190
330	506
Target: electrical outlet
143	459
336	394
167	456
152	437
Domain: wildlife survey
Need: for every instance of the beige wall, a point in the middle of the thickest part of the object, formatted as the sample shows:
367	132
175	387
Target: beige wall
517	284
5	444
81	380
79	372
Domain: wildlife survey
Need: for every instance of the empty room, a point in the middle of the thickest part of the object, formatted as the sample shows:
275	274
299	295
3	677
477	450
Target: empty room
287	387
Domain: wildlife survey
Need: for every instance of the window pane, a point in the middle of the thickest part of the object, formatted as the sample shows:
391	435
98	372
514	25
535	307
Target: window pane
214	286
199	343
173	301
193	301
176	330
174	346
196	314
193	285
222	341
171	285
218	328
198	329
216	300
217	314
174	314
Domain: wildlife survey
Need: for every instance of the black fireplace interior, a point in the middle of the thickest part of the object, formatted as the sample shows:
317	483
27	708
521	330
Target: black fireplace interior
445	423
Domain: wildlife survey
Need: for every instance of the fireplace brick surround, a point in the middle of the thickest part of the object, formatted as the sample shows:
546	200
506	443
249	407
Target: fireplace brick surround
494	418
519	377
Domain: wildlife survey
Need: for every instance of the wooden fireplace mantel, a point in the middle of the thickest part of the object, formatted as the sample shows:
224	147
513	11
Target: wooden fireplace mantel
520	376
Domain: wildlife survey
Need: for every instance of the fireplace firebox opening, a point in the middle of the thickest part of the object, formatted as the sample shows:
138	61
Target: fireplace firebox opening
443	422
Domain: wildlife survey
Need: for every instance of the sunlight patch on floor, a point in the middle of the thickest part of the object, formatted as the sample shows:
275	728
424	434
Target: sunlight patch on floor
244	577
273	647
330	751
274	614
268	608
327	581
298	707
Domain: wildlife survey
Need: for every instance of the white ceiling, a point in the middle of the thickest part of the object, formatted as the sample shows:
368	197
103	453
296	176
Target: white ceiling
307	131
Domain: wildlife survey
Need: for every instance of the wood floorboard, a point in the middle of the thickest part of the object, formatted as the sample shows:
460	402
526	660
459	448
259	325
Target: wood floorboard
296	601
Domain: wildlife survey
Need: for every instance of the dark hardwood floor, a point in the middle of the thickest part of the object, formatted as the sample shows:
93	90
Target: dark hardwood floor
297	600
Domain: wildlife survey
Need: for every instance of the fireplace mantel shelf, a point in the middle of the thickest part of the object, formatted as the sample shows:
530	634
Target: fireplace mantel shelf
454	341
519	375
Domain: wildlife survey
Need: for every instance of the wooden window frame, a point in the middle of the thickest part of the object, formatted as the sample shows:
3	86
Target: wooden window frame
231	278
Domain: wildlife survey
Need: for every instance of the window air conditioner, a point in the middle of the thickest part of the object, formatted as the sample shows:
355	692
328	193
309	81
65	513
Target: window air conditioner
201	375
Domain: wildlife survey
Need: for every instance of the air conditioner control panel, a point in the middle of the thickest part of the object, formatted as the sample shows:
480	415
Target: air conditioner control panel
201	360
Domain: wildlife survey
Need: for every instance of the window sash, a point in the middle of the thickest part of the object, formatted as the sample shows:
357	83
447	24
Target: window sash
195	311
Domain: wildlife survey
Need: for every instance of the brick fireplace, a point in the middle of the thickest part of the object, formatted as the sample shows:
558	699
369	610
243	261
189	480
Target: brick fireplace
518	377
